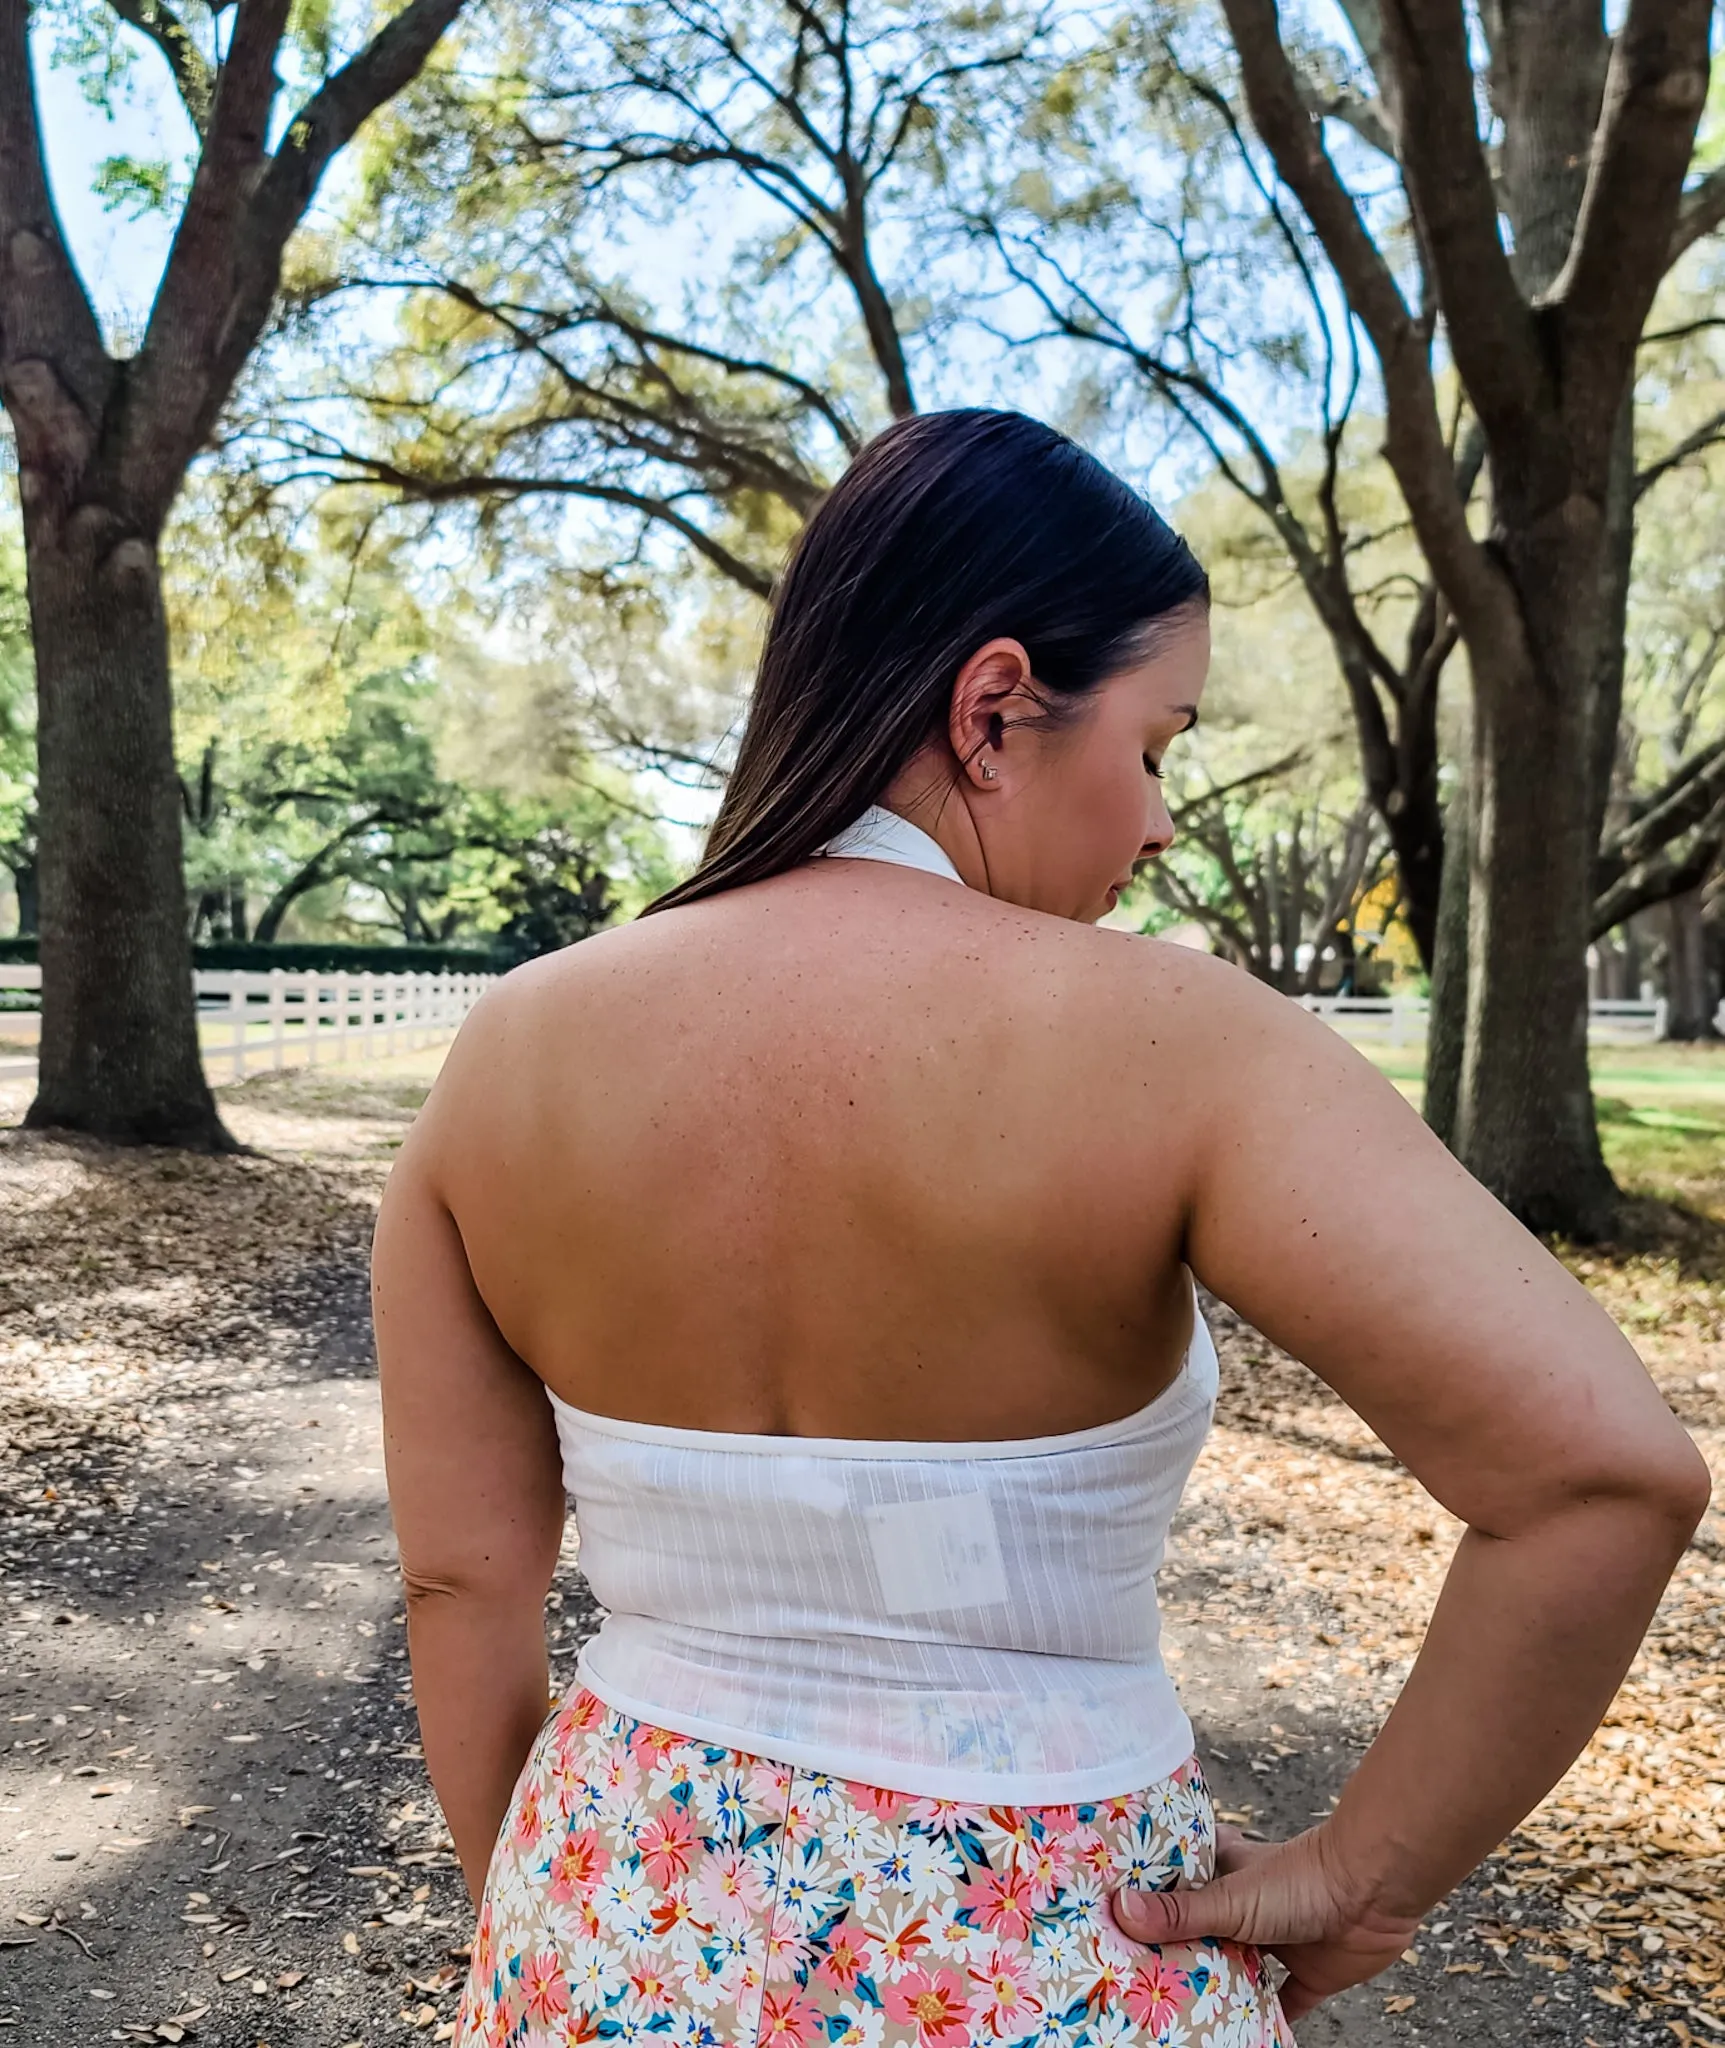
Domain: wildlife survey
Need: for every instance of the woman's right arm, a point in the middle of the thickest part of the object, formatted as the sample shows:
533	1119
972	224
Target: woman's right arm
1327	1214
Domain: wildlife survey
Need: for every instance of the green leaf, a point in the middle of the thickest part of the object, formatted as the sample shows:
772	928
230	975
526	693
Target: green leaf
139	185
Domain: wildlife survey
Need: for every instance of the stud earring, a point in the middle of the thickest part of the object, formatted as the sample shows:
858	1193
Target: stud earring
987	773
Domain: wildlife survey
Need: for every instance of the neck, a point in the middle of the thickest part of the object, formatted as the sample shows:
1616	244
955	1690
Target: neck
935	805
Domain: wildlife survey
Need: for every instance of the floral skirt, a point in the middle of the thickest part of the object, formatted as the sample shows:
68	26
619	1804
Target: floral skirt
649	1884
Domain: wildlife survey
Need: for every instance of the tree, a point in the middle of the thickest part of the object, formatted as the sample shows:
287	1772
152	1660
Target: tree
1277	887
1149	245
1598	134
104	442
17	739
1156	256
542	365
357	761
1664	844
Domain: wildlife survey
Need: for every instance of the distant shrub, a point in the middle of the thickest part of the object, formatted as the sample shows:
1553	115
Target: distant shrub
315	955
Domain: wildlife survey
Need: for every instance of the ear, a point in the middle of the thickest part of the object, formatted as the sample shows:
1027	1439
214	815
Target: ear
980	716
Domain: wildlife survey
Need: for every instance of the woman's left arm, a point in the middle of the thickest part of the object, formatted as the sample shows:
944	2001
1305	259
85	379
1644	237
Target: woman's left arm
476	1490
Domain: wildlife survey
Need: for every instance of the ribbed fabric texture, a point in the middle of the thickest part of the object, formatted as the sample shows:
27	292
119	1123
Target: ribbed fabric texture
958	1621
954	1620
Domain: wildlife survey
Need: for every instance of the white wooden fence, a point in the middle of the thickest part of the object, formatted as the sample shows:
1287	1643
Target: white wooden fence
250	1021
1401	1020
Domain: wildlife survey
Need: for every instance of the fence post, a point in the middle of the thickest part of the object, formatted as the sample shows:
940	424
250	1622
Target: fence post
391	1003
342	1000
277	1013
1661	1019
237	1023
313	1014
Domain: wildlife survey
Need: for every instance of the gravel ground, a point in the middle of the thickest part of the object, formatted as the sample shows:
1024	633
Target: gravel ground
215	1824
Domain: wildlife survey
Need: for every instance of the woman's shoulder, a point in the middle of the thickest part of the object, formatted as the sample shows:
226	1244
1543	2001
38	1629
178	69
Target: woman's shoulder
1147	983
1123	993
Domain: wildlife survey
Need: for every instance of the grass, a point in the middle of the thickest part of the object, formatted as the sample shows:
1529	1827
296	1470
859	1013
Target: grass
1661	1112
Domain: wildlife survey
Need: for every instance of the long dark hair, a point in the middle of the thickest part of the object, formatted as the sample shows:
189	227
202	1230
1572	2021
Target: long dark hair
949	530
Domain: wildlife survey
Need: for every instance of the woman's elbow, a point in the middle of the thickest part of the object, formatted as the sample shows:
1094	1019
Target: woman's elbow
1651	1483
449	1582
1686	1488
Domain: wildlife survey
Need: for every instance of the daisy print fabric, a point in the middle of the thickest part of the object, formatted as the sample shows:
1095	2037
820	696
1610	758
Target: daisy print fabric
648	1886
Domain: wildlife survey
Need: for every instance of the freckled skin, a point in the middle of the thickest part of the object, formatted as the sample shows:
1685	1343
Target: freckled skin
857	1152
857	1115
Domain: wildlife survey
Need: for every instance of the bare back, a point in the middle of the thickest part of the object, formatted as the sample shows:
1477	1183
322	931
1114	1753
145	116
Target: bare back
854	1152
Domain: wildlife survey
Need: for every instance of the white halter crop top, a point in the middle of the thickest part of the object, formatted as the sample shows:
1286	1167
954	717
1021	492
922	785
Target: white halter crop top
970	1621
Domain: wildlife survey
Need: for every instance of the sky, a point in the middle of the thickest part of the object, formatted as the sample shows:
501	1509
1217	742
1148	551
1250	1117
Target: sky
120	258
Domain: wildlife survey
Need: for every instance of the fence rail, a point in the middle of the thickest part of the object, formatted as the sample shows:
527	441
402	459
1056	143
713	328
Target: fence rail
251	1021
1401	1020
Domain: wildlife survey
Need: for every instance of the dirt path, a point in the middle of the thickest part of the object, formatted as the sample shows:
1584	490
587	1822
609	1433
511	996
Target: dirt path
214	1822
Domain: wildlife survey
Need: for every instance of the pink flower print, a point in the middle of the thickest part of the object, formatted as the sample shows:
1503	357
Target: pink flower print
789	1950
730	1884
485	1944
801	1821
847	1957
877	1800
1153	1997
1006	2002
650	1746
621	1777
935	2003
577	1866
1047	1868
543	1992
770	1785
667	1846
528	1824
999	1903
585	1711
787	2019
564	1781
1058	1820
652	1989
1089	1850
945	1816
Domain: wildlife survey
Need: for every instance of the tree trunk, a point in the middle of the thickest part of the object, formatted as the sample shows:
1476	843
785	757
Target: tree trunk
1611	984
119	1055
1446	1022
1524	1122
1416	828
1606	693
24	887
1690	989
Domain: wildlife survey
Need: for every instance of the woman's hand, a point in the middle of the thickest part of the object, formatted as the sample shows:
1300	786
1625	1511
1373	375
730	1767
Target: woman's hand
1290	1899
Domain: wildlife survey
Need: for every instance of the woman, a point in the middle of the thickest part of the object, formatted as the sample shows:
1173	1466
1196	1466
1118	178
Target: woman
832	1230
